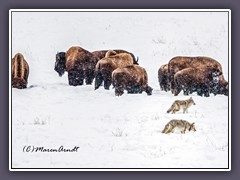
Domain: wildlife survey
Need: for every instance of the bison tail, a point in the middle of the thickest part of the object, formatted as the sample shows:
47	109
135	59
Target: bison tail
135	61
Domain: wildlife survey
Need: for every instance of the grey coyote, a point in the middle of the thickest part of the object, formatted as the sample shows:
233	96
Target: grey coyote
181	125
178	104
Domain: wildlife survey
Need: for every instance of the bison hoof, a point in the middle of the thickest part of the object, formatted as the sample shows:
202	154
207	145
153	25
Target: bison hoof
149	93
118	94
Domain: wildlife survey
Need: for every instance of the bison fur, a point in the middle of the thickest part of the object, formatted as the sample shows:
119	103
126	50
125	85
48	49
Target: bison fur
201	80
79	63
107	65
103	53
163	78
179	63
20	72
132	78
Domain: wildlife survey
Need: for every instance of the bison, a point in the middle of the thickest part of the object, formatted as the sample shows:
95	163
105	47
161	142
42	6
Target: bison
79	63
102	53
20	72
107	65
178	63
201	80
132	78
163	78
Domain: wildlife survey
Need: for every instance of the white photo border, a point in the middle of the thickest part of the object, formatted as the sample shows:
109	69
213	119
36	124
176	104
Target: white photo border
120	169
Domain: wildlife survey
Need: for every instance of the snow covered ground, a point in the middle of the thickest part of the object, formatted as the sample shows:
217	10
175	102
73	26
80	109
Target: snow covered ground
116	132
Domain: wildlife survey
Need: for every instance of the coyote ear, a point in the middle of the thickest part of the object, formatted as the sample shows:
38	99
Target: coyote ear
193	123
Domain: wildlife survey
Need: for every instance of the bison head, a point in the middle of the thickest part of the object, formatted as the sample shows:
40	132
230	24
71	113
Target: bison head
223	88
19	83
60	64
215	73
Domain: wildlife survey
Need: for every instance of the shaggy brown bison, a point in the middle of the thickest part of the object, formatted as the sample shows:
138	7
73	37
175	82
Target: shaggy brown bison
201	80
79	63
107	65
20	72
132	78
178	63
102	53
163	78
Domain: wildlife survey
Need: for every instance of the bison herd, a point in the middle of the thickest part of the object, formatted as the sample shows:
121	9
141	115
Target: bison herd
121	69
193	74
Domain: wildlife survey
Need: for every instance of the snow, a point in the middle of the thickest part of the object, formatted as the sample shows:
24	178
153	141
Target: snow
116	132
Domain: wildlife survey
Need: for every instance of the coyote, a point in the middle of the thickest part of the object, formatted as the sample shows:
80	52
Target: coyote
177	104
181	125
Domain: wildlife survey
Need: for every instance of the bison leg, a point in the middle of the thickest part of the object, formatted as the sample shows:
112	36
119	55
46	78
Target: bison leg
71	78
107	83
75	78
172	86
107	80
98	79
89	76
176	91
192	89
119	90
206	91
168	87
133	89
199	92
165	88
186	91
79	78
176	87
161	87
214	90
206	94
149	90
203	90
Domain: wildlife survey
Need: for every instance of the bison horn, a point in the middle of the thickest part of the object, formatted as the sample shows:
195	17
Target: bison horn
137	59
